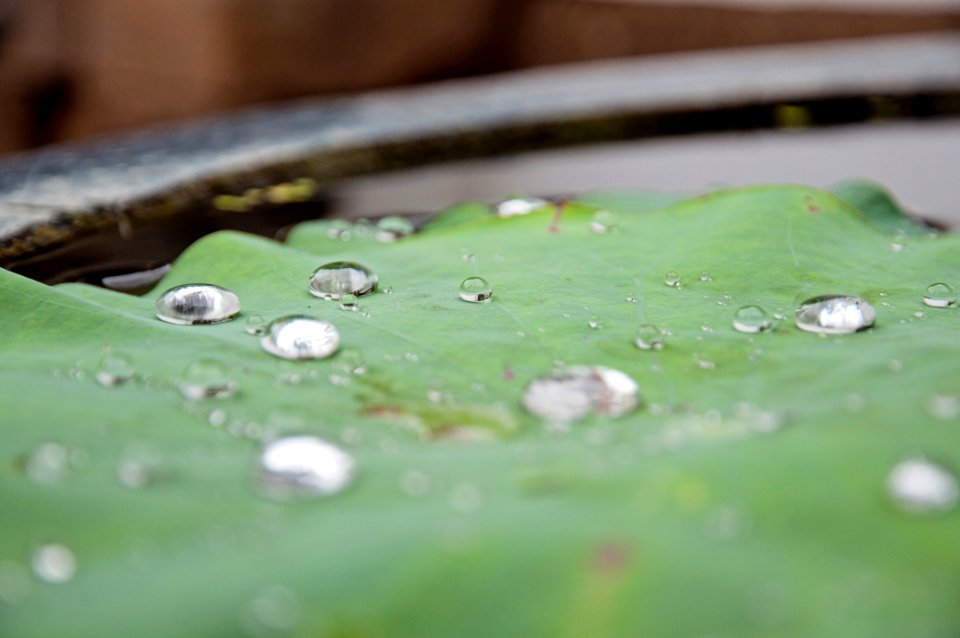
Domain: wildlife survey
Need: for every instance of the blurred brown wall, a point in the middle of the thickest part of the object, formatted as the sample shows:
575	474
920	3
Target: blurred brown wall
74	68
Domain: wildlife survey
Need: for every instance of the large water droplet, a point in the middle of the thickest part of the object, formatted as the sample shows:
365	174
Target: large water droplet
648	337
197	304
475	289
751	319
571	393
206	379
940	295
336	279
393	227
603	222
521	206
835	314
921	486
304	466
54	563
300	337
672	279
115	369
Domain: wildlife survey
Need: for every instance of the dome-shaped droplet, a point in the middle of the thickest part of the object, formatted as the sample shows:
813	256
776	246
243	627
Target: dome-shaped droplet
672	279
197	303
648	337
115	369
304	466
300	337
254	325
940	295
475	289
603	222
336	279
751	319
835	314
54	563
348	302
393	227
571	393
521	206
921	486
206	379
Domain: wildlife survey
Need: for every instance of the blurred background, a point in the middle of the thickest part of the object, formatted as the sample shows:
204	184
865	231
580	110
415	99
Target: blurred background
72	69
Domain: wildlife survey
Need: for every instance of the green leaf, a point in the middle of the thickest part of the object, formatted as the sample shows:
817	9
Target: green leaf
691	516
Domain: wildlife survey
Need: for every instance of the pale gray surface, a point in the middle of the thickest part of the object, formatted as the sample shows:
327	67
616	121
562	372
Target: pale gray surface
917	161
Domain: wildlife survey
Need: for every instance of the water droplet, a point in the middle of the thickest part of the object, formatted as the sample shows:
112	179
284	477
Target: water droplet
54	563
593	324
897	247
48	463
217	417
703	362
340	229
944	407
603	222
274	611
387	290
571	393
751	320
475	289
206	379
521	206
940	295
304	466
393	227
631	299
648	337
920	486
254	325
348	302
140	467
115	369
336	279
193	304
300	337
672	279
835	314
705	276
919	315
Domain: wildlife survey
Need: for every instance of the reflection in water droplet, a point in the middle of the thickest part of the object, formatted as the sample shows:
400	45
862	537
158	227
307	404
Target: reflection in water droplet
348	302
920	486
835	314
940	295
571	393
393	227
475	289
648	337
336	279
115	369
254	325
751	319
521	206
300	337
603	222
48	463
54	563
304	466
206	379
672	279
193	304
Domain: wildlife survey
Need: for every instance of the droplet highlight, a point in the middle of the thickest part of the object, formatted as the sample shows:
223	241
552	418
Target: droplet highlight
672	279
475	290
336	279
835	314
920	486
300	337
304	466
194	304
54	563
521	206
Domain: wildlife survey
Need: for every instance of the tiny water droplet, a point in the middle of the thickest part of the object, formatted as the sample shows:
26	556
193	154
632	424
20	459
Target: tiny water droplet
338	278
919	315
274	611
140	467
835	314
521	206
895	365
944	407
940	295
206	379
897	247
348	302
217	417
705	276
593	324
648	337
340	229
672	279
300	337
751	320
393	227
48	463
571	393
920	486
603	222
706	328
387	290
254	325
194	304
304	466
631	299
54	563
115	369
475	289
703	362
